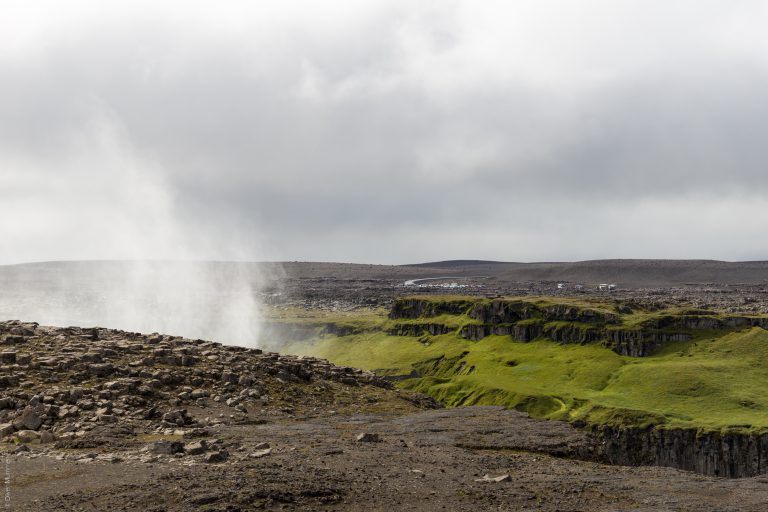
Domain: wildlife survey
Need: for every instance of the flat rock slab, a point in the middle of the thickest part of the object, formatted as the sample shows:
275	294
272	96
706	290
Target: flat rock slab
496	428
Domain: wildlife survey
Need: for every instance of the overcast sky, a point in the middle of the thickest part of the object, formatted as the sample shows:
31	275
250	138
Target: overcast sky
384	132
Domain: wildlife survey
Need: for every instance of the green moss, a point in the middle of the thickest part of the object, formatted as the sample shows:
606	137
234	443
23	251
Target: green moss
715	381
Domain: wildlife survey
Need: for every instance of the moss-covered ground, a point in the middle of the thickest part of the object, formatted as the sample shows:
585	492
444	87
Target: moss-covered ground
716	381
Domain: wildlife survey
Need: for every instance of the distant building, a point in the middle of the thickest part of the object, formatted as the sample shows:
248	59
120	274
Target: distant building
560	286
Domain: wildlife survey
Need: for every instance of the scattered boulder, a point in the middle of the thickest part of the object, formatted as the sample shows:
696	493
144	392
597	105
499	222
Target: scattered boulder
12	339
98	388
216	456
179	418
367	437
164	447
196	447
260	453
101	369
31	418
27	436
229	377
106	418
6	429
199	393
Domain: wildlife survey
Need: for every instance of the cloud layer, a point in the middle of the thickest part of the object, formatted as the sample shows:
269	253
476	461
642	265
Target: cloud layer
383	131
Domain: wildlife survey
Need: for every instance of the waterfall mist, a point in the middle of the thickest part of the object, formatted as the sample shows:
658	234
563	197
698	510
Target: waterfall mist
209	300
153	264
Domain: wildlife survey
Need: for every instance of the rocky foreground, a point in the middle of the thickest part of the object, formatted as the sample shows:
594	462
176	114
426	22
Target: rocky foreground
86	388
98	419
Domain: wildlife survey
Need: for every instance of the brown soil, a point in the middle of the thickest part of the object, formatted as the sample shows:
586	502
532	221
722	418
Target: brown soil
427	461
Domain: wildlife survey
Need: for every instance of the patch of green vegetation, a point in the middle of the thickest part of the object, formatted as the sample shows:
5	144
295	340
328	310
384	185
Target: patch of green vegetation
148	438
715	381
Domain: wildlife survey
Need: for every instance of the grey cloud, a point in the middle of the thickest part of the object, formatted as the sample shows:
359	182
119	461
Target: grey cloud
295	135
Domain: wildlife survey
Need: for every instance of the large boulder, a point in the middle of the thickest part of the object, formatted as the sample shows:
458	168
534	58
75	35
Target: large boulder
196	447
164	447
31	418
28	436
6	429
216	456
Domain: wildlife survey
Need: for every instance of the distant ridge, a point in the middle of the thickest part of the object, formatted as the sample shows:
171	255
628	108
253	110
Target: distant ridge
624	272
635	273
457	263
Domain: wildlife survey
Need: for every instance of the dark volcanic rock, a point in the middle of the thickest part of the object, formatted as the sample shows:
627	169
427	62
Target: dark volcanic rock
476	332
98	387
32	417
419	329
640	343
217	456
731	455
410	308
163	447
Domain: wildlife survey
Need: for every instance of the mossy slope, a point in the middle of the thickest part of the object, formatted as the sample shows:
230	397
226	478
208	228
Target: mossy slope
716	380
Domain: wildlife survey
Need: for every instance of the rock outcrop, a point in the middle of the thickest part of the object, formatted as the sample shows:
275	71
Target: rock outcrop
526	321
410	308
499	311
65	384
476	332
732	455
419	329
640	343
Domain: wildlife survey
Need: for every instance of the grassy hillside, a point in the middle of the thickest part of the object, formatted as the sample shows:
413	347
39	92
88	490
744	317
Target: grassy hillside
716	380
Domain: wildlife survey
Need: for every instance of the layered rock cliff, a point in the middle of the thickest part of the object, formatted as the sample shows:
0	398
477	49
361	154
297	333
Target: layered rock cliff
525	321
732	455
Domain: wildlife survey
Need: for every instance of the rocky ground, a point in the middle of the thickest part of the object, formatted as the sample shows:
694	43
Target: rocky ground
729	287
97	419
351	294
